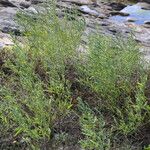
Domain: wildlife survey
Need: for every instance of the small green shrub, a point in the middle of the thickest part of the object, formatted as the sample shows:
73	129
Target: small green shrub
110	66
115	72
135	112
147	148
93	128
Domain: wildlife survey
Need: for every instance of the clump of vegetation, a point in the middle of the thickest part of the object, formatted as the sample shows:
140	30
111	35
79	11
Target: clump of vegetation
36	93
46	79
93	128
115	71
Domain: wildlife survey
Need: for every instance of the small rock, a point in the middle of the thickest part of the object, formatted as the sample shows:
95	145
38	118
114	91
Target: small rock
37	1
144	5
25	4
102	16
119	13
117	6
5	40
145	8
113	30
2	46
7	3
104	24
81	2
87	10
147	22
130	19
32	10
146	26
82	49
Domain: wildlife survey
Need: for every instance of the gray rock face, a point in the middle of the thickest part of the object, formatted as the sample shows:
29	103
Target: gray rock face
22	3
7	3
7	22
12	3
8	10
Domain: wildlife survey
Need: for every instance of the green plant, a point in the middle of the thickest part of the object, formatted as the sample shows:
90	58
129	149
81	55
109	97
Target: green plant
61	137
38	87
114	71
96	137
147	148
134	114
110	66
36	93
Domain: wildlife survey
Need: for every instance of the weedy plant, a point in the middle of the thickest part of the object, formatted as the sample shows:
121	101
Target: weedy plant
115	71
134	112
111	65
93	128
147	148
36	93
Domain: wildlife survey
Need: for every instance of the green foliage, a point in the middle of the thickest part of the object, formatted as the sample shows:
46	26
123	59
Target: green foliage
135	112
147	148
96	136
36	91
111	64
115	72
36	94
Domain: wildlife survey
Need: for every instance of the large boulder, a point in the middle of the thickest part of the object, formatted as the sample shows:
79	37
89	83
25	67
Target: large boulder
7	23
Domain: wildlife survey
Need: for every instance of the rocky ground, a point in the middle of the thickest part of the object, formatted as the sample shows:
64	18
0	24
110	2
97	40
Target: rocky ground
97	16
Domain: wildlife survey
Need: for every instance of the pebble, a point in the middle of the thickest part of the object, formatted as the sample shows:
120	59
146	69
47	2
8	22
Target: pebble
147	22
130	19
86	9
119	13
32	10
25	4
